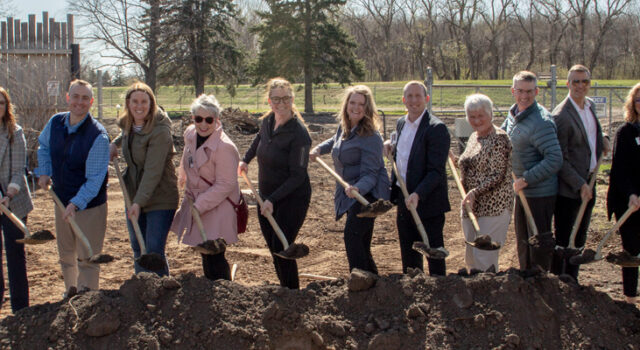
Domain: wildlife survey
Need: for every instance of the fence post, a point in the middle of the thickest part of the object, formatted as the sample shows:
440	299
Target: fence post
610	110
429	84
99	94
553	83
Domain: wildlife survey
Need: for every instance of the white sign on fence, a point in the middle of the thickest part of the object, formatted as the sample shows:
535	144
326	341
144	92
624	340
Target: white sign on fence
601	105
53	88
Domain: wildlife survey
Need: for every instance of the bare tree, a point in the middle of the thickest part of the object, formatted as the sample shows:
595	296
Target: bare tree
496	19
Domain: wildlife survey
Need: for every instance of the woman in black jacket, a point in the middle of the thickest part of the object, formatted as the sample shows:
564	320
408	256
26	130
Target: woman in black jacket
624	187
282	147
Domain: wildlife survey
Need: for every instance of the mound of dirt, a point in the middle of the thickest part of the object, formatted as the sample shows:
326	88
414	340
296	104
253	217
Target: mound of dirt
411	311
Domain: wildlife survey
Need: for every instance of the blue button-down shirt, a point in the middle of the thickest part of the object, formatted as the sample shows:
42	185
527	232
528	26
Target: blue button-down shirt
96	167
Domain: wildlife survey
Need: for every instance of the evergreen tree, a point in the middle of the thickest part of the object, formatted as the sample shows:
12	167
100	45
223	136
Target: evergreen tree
303	39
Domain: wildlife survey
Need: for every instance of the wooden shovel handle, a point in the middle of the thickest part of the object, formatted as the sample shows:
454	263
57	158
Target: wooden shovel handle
527	209
15	219
127	203
344	184
196	216
583	207
463	193
74	226
615	227
412	210
269	217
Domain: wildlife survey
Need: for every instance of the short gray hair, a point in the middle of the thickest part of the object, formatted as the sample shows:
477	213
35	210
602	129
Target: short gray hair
478	102
206	102
525	76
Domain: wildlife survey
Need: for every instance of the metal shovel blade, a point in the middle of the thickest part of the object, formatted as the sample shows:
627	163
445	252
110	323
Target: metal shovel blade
484	242
588	256
432	253
39	237
623	259
375	209
151	261
212	247
101	259
295	251
566	252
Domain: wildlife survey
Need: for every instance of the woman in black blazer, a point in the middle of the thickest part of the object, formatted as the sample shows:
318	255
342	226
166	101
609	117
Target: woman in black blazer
624	187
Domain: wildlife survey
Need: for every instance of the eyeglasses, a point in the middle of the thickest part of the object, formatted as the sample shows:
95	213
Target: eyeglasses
637	100
199	119
578	81
283	99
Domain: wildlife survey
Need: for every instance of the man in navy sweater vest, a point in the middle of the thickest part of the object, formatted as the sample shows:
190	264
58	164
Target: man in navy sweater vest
74	154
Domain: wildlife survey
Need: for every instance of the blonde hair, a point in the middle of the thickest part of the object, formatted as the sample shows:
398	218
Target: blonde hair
9	119
630	114
126	118
370	122
279	82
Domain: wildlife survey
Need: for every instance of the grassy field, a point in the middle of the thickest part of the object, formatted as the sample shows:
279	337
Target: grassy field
446	95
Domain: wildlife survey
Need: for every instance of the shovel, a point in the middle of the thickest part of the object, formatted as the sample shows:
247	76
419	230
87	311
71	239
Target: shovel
571	250
93	258
623	259
208	247
149	261
421	247
291	252
370	210
42	236
482	242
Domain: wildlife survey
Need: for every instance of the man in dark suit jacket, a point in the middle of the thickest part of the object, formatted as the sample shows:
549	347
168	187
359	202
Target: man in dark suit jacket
421	154
582	144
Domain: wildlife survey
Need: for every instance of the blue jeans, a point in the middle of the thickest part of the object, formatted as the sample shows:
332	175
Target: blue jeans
16	265
154	226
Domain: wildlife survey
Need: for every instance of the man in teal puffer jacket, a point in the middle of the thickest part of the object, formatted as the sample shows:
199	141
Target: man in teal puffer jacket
537	158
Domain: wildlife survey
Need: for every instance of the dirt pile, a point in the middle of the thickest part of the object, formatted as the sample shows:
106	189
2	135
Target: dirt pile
507	310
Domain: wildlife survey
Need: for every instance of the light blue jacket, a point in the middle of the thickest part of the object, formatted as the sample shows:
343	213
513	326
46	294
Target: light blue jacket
358	160
536	151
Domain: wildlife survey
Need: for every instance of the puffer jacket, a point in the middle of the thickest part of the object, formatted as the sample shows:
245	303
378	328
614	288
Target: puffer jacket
536	151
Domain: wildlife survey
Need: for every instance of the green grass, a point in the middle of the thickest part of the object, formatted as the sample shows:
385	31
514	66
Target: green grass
327	98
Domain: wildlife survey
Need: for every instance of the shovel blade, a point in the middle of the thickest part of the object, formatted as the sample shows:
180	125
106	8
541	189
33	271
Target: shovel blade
38	237
101	259
484	242
375	209
431	253
212	247
151	261
295	251
566	252
623	259
588	256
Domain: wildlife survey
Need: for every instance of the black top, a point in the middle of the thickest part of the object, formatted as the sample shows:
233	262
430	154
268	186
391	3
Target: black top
200	140
283	157
625	169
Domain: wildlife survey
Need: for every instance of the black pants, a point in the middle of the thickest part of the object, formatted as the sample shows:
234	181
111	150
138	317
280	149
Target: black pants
16	264
289	213
408	233
216	267
542	209
358	233
565	214
630	234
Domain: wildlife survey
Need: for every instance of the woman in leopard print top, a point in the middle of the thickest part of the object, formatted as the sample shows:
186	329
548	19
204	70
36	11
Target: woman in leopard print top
486	176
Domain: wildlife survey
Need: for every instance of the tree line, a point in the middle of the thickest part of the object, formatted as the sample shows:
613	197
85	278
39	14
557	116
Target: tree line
228	42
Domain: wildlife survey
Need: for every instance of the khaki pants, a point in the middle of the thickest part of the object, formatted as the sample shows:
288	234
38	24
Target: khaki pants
494	226
77	271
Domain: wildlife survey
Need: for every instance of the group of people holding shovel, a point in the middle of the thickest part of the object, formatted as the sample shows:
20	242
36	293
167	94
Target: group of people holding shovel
550	160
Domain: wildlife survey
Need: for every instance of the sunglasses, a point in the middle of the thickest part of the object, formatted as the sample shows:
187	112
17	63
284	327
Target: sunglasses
578	81
283	99
199	119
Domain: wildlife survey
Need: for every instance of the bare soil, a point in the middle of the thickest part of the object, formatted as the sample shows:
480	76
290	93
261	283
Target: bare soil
510	309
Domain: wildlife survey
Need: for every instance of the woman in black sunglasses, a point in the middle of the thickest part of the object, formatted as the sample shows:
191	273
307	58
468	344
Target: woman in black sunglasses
208	169
282	147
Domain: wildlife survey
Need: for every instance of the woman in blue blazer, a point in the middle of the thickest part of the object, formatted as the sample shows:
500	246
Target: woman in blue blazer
356	149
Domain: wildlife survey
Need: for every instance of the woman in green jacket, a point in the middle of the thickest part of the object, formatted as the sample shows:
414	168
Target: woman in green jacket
150	176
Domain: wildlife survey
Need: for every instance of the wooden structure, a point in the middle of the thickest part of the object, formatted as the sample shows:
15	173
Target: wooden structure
37	61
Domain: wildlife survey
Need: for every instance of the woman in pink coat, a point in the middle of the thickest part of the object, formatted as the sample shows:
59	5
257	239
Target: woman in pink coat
208	169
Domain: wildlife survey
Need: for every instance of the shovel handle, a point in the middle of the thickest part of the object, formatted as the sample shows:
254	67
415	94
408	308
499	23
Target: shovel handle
412	210
269	217
527	209
615	227
463	193
127	203
15	219
74	226
196	216
583	207
344	184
